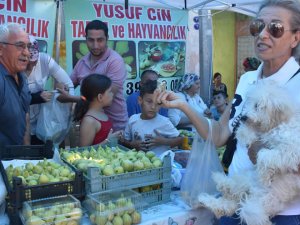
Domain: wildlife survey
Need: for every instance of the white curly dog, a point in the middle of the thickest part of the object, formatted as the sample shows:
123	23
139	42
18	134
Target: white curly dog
269	116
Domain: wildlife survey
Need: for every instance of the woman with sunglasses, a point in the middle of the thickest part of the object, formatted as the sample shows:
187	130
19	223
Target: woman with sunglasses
276	31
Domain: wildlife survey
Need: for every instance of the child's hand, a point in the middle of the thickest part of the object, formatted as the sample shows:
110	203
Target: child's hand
118	134
139	145
155	141
158	139
114	137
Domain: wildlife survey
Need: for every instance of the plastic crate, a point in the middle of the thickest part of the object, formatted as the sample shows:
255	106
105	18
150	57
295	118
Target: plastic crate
108	206
94	182
13	215
48	211
17	193
97	183
159	196
10	152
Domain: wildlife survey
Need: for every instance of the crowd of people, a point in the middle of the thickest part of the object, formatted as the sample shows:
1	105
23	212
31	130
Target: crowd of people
150	120
101	109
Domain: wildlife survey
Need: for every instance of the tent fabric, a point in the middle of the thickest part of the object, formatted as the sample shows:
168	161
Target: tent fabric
248	7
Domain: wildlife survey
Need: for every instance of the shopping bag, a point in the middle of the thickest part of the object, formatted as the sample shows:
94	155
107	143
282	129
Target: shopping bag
202	162
54	121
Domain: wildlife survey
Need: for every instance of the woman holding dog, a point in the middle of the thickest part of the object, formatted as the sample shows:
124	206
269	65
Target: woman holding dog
276	32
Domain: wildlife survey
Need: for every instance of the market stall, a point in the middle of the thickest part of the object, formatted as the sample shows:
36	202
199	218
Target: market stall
92	184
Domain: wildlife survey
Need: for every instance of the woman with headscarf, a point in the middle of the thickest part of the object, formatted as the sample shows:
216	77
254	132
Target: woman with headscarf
40	67
188	89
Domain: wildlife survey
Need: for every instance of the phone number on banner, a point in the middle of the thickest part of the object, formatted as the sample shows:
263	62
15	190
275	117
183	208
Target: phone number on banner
133	86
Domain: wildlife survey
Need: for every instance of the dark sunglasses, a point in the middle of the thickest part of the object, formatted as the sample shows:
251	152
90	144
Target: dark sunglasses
275	28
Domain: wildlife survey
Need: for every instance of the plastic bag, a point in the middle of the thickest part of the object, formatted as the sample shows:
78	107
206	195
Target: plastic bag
54	121
202	162
175	174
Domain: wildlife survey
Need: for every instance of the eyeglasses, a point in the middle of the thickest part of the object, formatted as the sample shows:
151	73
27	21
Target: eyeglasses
275	28
20	45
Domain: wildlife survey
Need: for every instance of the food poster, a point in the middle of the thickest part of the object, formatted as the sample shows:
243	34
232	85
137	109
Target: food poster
166	58
146	38
36	16
125	48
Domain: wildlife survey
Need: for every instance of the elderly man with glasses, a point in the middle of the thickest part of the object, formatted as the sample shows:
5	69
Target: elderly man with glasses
14	93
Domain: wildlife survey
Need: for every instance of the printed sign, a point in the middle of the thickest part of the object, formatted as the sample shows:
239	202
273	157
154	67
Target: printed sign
37	17
146	38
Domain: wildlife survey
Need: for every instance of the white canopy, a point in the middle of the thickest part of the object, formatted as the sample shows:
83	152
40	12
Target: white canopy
247	7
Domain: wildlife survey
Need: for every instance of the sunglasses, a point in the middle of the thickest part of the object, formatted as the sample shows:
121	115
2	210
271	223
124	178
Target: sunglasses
275	28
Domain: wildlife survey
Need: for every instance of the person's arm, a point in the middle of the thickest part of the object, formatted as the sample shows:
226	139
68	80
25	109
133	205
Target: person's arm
176	116
160	140
134	144
36	98
74	75
221	130
87	132
26	139
66	97
61	77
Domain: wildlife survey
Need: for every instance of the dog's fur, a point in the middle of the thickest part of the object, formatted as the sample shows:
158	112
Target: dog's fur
270	117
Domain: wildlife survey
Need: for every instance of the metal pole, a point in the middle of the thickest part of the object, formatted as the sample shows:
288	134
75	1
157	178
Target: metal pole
205	53
58	29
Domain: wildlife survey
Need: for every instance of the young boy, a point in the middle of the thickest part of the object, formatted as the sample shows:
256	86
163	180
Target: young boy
149	130
220	103
133	107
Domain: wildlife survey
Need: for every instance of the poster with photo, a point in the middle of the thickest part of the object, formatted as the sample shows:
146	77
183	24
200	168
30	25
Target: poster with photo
166	58
145	37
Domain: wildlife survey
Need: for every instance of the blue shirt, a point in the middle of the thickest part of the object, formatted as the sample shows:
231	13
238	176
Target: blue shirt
215	114
133	107
14	104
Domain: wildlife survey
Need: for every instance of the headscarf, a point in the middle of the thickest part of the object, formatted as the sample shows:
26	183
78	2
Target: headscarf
34	50
187	81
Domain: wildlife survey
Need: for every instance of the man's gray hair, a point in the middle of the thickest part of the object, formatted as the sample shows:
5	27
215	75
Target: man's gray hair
7	29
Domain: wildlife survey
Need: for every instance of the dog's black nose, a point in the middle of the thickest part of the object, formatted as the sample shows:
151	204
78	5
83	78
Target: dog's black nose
244	118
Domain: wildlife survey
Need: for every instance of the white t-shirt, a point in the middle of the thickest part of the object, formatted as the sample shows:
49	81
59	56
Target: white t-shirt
139	129
45	67
195	102
241	159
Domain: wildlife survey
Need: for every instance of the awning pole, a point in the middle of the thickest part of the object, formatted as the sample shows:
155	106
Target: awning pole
58	30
